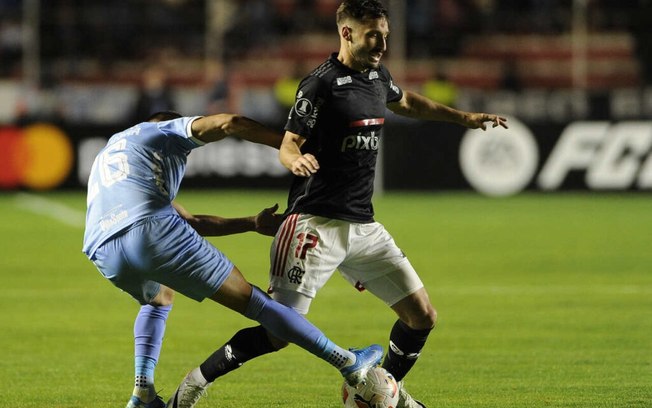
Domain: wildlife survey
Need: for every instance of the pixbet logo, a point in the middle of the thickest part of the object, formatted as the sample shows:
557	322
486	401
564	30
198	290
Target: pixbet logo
38	156
360	142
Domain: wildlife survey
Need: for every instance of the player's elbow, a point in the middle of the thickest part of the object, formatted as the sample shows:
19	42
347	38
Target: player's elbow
195	223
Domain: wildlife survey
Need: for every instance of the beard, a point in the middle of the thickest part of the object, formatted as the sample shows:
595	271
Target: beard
364	59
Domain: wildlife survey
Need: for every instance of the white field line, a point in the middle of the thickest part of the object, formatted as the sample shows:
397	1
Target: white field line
547	290
51	209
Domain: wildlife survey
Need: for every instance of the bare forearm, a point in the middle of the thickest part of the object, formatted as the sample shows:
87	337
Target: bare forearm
289	153
216	127
213	226
420	107
249	129
300	164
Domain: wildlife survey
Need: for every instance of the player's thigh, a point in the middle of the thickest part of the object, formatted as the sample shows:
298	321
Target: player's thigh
378	265
112	262
397	282
168	251
305	253
235	292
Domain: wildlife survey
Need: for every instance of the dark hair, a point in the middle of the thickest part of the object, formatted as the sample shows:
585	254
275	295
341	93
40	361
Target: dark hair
163	116
361	10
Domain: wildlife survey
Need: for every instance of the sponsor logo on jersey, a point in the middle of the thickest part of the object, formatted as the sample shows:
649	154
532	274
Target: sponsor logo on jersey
344	80
112	219
394	87
373	74
360	142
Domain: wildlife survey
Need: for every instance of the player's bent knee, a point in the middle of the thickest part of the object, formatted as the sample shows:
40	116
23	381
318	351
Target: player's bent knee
431	319
425	316
416	311
164	297
423	319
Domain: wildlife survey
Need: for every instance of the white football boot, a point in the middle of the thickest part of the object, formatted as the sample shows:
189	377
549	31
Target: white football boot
189	392
405	400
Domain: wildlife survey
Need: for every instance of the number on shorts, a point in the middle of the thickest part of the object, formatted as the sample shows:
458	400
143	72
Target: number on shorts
302	248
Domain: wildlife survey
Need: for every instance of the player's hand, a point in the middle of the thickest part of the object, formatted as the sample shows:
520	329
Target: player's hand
478	121
268	222
304	165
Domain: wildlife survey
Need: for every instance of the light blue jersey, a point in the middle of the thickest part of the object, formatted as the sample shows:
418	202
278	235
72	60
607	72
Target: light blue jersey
133	235
136	176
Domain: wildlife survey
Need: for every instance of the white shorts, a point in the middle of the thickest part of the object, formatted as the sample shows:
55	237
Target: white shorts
307	250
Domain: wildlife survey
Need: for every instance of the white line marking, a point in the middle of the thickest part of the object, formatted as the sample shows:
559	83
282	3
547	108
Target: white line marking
50	208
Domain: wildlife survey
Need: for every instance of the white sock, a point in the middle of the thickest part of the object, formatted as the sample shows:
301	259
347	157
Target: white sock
340	358
198	377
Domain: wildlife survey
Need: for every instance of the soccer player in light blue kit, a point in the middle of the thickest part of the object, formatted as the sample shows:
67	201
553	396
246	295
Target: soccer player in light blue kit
146	245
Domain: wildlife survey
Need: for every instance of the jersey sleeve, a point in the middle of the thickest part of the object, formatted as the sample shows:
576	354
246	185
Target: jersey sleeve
304	115
181	129
394	93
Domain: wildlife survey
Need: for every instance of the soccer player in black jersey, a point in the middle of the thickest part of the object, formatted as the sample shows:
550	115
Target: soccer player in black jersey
330	145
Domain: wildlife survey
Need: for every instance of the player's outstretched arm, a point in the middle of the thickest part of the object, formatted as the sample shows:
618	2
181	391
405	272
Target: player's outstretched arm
265	222
217	127
418	106
302	165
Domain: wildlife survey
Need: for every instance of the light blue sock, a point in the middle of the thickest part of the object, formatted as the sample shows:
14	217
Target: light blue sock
149	329
144	372
285	323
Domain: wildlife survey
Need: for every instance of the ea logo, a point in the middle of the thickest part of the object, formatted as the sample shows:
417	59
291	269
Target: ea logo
38	156
499	163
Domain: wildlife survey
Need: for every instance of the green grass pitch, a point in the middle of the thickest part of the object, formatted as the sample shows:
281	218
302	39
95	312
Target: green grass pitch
544	300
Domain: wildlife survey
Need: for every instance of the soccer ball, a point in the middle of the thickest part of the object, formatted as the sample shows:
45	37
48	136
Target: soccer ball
379	391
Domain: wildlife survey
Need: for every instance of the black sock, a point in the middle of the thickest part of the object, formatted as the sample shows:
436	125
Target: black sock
405	346
247	344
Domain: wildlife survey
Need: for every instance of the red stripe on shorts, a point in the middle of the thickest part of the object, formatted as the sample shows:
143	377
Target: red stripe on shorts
283	245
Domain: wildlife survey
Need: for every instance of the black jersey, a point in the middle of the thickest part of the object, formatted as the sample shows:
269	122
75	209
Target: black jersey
341	113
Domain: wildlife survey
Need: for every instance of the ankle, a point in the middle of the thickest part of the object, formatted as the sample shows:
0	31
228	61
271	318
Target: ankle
198	377
145	394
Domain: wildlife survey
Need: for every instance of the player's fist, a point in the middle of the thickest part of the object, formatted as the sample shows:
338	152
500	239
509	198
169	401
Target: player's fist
304	165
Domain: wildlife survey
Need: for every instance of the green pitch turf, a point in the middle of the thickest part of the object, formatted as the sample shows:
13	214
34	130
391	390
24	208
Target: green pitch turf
543	301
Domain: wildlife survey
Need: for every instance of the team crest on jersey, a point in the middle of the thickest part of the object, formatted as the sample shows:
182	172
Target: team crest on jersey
344	80
303	107
373	75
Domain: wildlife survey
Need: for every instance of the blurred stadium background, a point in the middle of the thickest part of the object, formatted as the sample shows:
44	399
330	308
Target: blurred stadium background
572	75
